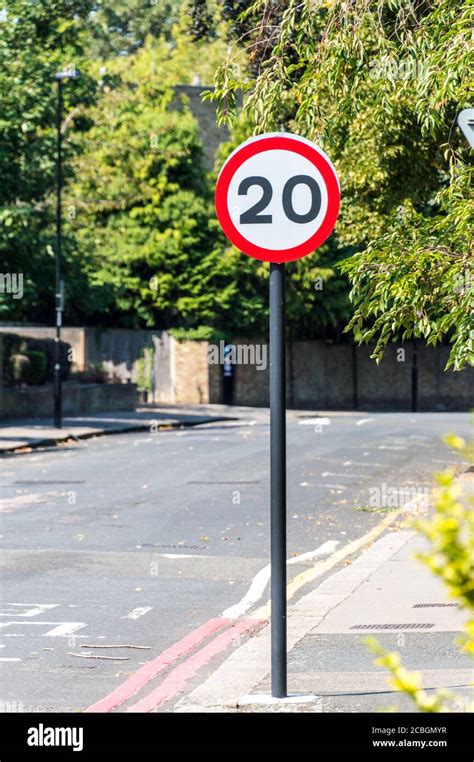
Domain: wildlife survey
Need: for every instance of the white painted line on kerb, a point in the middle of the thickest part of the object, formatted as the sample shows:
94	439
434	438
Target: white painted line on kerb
364	420
315	422
136	613
261	579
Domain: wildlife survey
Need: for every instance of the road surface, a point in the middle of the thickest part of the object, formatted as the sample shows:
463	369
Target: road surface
149	539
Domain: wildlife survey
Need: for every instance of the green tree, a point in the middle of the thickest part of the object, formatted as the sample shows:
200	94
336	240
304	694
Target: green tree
36	39
144	225
379	85
121	27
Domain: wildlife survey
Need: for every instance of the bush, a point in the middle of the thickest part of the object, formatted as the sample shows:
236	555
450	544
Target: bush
19	368
47	346
144	370
38	366
201	333
94	374
24	345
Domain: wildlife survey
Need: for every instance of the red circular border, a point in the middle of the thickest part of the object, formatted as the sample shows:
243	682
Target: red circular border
268	144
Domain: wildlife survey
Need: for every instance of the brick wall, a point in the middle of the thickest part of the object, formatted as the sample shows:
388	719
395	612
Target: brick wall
325	376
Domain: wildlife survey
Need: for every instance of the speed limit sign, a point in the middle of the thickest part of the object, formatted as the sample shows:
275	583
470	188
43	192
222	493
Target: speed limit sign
277	197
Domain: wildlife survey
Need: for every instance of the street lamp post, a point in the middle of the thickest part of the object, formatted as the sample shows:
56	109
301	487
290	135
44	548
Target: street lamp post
60	76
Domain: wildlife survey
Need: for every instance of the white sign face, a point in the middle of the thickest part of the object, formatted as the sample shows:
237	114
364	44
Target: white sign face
277	197
466	124
308	199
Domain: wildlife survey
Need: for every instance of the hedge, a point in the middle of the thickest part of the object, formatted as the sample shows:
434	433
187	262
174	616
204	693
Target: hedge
42	369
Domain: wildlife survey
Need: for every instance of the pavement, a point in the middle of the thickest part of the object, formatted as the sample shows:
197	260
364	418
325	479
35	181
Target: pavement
384	593
29	433
135	566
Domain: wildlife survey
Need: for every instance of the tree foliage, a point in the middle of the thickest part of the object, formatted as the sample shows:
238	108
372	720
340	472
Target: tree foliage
36	39
378	84
144	204
122	26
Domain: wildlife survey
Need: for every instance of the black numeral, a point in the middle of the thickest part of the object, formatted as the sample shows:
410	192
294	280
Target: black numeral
288	207
252	216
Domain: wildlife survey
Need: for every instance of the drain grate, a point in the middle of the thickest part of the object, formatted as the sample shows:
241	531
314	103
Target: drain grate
435	605
407	626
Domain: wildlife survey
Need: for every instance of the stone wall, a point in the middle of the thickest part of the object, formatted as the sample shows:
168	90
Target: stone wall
120	347
321	376
326	376
77	399
183	374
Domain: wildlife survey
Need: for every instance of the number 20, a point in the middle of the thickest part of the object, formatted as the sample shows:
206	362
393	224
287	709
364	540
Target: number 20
253	217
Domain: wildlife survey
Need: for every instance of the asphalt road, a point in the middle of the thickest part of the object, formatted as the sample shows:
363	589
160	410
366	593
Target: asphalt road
141	539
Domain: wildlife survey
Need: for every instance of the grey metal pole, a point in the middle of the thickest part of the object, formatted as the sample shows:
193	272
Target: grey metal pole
278	480
58	292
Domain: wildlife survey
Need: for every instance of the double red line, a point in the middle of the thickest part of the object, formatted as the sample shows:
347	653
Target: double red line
175	681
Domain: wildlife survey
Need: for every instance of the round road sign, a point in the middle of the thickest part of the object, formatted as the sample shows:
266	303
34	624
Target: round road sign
277	197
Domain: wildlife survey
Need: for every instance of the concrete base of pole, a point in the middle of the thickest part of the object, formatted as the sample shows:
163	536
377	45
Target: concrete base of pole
267	700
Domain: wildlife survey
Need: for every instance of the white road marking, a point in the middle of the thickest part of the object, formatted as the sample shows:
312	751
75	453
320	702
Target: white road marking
59	629
346	476
29	609
362	465
325	549
325	484
261	579
180	555
364	420
392	447
315	422
64	629
136	613
4	658
252	596
9	504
